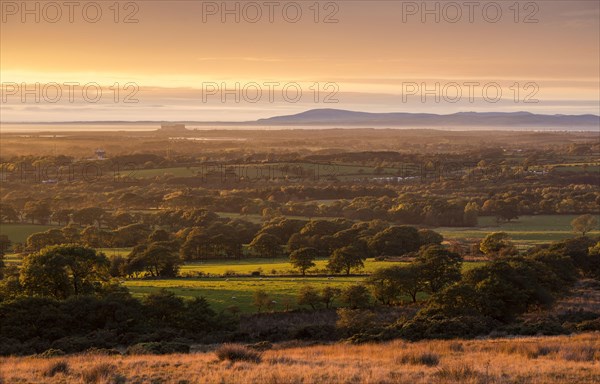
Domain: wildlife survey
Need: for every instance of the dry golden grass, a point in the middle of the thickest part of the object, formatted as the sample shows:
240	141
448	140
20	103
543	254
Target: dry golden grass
536	360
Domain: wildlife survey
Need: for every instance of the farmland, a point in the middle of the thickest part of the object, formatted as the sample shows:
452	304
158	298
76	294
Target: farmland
18	233
225	291
526	230
219	283
174	254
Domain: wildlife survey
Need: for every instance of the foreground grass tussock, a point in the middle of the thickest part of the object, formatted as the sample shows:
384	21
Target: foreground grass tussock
536	360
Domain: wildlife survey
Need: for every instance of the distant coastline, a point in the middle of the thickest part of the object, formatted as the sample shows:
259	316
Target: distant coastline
340	119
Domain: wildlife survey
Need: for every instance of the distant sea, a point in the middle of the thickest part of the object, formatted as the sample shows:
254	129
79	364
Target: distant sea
132	127
26	128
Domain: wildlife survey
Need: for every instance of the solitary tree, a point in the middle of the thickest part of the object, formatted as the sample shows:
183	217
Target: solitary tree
37	211
8	214
64	270
429	237
159	259
303	258
309	296
594	256
4	244
261	299
396	240
39	240
389	284
495	243
356	296
438	267
584	224
266	245
345	259
328	294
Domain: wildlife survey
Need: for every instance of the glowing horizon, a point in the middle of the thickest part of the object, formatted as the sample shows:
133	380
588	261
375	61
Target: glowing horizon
368	57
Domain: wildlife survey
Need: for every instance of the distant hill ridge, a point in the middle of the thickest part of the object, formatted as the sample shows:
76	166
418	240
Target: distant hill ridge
339	118
505	119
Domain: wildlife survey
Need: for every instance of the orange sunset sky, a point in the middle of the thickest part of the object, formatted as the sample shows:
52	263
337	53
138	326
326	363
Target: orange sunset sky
369	53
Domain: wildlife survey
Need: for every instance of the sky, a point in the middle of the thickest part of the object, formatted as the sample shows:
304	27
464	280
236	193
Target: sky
244	60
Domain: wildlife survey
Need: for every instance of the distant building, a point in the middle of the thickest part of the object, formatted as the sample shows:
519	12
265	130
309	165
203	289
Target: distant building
168	127
100	154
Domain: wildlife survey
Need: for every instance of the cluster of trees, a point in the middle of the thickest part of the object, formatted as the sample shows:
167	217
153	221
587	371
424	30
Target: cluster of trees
418	204
112	318
63	297
158	252
495	294
433	269
71	303
472	303
346	244
58	272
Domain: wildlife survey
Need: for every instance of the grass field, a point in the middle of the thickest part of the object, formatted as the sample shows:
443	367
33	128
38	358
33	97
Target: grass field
525	360
266	266
223	292
525	231
18	233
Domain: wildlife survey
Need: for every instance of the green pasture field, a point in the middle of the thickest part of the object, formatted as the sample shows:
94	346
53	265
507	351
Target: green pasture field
576	168
266	266
280	266
223	292
18	233
525	231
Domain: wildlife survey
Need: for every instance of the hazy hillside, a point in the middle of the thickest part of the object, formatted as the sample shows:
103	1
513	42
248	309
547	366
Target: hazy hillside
462	119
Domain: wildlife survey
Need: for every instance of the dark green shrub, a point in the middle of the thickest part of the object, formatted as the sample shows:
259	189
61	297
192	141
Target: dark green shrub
158	348
543	326
588	326
102	373
441	327
261	346
57	367
52	352
427	358
102	351
235	352
315	332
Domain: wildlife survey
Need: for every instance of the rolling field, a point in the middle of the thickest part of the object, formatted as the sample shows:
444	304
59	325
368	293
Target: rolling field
525	360
223	292
266	266
526	231
18	233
